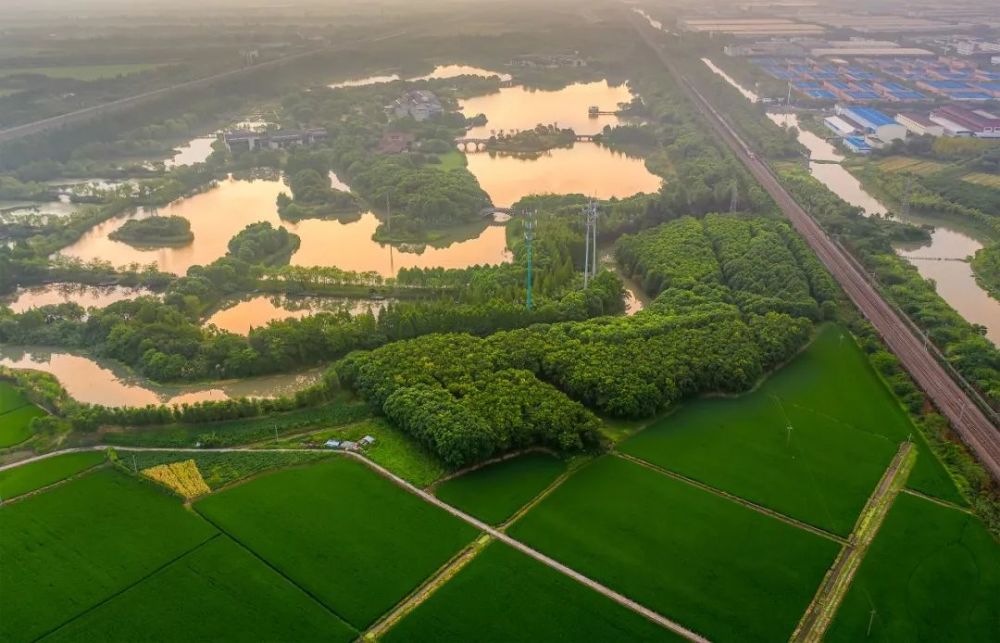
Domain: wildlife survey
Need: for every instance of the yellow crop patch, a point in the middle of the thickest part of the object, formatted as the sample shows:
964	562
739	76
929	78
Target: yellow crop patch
183	477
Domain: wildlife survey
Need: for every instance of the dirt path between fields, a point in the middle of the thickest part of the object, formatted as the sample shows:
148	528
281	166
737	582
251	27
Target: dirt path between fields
818	616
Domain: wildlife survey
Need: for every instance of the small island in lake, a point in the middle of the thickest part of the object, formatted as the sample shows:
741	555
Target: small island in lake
155	232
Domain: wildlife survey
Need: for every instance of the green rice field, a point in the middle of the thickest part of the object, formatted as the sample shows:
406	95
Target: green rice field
721	569
29	477
81	72
11	398
66	550
218	592
346	535
845	428
932	574
495	492
15	426
16	413
503	596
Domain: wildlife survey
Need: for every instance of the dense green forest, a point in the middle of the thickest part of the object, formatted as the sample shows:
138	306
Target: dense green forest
701	334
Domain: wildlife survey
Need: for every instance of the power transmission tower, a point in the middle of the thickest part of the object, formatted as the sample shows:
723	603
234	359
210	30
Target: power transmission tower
904	205
590	242
529	237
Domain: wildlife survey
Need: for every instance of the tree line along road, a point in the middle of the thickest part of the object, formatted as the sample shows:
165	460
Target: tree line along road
89	113
976	429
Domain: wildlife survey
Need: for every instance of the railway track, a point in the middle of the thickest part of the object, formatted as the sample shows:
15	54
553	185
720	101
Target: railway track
973	425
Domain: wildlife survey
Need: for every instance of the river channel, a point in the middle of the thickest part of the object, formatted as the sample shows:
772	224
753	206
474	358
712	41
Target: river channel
95	381
943	259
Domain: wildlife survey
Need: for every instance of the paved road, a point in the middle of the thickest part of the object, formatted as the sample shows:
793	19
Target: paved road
976	429
642	610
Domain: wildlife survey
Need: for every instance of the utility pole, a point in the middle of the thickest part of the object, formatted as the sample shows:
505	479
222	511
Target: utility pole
529	237
593	255
871	620
788	99
734	201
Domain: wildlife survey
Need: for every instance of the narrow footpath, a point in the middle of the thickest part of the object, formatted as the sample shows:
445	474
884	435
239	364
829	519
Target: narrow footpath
838	578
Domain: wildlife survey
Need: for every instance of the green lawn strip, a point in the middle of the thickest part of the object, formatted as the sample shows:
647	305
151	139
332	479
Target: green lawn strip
219	469
218	592
821	473
393	449
29	477
932	574
15	426
66	550
712	565
11	398
453	160
344	534
243	431
495	492
503	595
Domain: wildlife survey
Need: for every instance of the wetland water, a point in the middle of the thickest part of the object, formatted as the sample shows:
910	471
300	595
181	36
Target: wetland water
239	317
585	168
103	382
441	71
217	214
87	296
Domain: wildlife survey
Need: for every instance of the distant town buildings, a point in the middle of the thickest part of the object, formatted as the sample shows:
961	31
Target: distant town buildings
419	104
248	141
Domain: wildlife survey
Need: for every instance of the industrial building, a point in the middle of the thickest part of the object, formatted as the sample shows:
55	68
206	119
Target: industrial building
873	122
247	141
960	121
839	126
919	124
857	144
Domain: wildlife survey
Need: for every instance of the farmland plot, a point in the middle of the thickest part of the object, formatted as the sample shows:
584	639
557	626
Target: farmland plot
714	566
349	537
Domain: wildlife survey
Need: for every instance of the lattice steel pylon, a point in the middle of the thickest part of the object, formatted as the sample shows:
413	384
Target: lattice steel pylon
590	242
529	237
